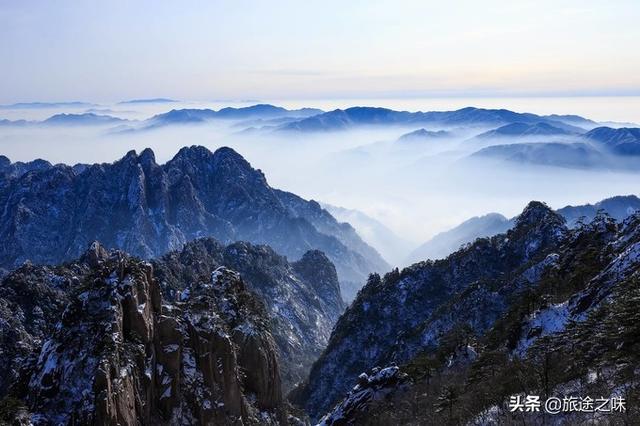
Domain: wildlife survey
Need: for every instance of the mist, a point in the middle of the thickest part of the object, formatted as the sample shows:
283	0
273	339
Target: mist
415	189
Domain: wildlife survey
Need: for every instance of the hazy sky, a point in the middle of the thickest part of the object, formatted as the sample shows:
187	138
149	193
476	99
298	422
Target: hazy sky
107	51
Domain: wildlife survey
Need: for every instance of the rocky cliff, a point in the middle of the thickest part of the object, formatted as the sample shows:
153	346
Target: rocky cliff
541	310
119	354
53	212
389	312
302	299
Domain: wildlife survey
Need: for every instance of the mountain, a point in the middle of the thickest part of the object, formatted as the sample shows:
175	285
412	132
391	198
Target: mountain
540	310
9	170
195	116
419	292
423	135
622	141
366	116
64	119
149	101
264	111
619	208
147	209
573	120
44	105
15	123
447	242
94	342
373	232
85	119
557	154
181	116
302	299
520	130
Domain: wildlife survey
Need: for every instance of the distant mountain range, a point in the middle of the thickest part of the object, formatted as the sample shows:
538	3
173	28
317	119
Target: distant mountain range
622	141
85	119
173	117
369	116
504	124
520	130
43	105
374	232
601	147
619	208
447	242
52	213
573	120
423	135
557	154
196	116
69	119
149	101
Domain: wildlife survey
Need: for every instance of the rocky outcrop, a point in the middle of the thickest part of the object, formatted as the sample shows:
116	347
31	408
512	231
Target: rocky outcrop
387	320
31	300
302	299
52	213
316	269
541	310
9	170
119	354
373	387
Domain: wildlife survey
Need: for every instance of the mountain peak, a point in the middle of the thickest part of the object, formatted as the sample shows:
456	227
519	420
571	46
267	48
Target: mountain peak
539	221
95	254
227	153
131	154
4	161
147	156
193	153
537	211
199	152
422	135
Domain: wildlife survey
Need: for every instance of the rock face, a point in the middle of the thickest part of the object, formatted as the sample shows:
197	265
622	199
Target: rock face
31	300
386	321
119	355
9	170
370	388
54	212
302	299
541	310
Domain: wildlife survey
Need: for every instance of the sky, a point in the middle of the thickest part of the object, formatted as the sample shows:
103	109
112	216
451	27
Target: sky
217	50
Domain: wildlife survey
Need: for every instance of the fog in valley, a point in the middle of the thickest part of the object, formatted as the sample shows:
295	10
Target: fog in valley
415	187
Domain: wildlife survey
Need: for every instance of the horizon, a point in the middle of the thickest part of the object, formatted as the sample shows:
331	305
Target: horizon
621	109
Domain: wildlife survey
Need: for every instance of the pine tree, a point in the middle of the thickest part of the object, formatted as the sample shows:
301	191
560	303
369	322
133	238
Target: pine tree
446	400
